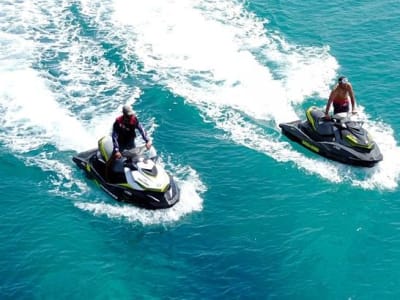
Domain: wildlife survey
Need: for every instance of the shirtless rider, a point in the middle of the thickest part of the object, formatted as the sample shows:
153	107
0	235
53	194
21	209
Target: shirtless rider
339	97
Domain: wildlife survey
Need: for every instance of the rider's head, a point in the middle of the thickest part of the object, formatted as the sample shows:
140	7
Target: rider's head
127	111
343	80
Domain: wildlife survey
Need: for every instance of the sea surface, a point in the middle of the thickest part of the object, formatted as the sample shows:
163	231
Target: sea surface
260	217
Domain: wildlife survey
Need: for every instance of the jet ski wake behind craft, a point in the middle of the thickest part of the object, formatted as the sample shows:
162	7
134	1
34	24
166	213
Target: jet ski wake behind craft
337	138
135	178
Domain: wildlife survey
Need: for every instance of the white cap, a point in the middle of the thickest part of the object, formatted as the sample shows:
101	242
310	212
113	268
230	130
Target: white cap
127	110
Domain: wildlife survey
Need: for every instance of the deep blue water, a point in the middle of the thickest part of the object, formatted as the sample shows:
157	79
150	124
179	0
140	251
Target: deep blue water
260	217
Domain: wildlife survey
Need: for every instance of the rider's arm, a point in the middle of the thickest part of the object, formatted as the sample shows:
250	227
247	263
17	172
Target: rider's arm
144	135
142	132
115	137
352	98
328	105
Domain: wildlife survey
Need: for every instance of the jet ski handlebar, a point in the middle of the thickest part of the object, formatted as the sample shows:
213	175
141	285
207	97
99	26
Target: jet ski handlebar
140	151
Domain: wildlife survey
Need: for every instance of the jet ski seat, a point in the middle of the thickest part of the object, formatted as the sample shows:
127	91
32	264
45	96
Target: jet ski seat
105	148
115	172
325	128
316	118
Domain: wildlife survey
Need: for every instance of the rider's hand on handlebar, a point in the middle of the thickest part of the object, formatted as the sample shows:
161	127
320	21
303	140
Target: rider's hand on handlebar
117	155
148	145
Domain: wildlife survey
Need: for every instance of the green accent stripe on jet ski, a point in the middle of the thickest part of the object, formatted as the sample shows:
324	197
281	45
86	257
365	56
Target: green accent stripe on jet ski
310	118
310	146
125	185
354	142
161	190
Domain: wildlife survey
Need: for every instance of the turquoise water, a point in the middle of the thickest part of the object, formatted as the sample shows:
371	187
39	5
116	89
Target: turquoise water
260	217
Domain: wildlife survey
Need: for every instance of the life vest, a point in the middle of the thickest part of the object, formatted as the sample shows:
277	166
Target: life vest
132	122
126	130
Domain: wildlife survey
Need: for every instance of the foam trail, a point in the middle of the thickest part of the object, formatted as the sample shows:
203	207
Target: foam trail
55	87
387	173
87	84
225	60
32	114
32	119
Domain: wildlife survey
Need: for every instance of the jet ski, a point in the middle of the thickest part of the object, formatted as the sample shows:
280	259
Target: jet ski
135	178
337	138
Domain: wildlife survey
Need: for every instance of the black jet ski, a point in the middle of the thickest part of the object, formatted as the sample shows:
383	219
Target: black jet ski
136	178
337	138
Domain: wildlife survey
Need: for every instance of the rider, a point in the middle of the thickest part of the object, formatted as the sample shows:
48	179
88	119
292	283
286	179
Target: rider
123	133
339	97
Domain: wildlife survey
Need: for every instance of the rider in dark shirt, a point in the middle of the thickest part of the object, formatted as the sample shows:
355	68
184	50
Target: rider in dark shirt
124	131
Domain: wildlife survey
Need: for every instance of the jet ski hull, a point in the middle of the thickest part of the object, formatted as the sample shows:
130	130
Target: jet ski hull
95	169
300	132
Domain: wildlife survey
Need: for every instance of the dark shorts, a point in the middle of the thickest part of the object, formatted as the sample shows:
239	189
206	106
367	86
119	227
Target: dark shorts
340	108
